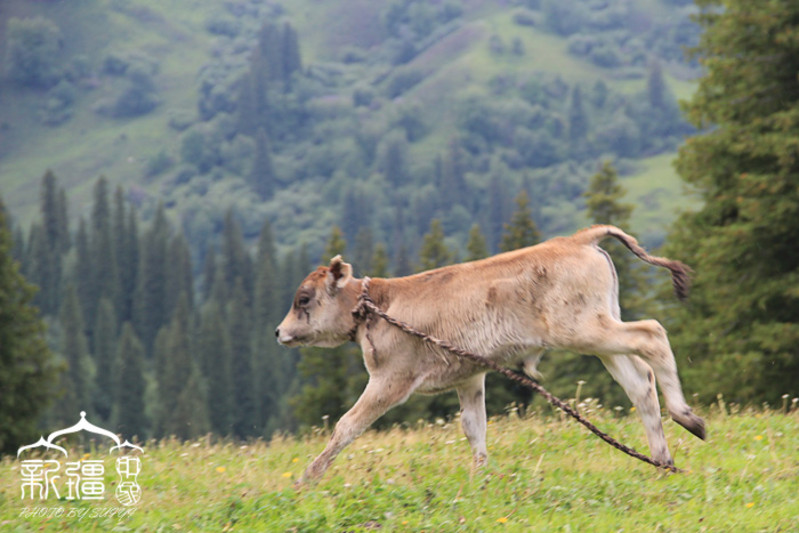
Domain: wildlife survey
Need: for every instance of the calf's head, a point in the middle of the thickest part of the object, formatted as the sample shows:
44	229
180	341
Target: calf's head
321	312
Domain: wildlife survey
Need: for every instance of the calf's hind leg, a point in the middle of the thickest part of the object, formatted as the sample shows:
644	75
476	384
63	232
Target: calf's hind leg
638	381
647	339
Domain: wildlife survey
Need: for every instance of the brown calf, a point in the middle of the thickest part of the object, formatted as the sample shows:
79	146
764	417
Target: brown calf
562	293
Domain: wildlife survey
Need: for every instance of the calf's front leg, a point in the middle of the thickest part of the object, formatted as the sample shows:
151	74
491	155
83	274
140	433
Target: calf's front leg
473	416
378	397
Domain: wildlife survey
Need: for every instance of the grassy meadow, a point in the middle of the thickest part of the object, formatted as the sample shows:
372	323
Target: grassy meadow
545	473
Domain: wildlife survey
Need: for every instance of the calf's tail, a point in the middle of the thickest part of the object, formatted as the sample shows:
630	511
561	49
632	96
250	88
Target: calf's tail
680	272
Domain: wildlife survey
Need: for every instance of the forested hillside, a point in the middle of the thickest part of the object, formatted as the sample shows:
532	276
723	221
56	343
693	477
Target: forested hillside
171	174
365	115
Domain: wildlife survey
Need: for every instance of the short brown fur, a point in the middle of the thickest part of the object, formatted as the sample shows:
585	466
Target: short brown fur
562	293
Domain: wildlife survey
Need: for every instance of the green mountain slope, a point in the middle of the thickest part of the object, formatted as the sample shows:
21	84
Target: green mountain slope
438	74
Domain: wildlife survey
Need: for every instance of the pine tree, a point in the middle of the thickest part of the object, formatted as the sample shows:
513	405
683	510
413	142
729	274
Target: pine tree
336	245
192	407
49	244
103	252
126	239
262	178
28	370
44	269
363	251
453	174
498	200
604	206
578	122
128	391
173	364
239	323
150	312
78	379
379	263
180	280
434	253
235	258
522	230
476	247
104	353
214	354
744	309
267	368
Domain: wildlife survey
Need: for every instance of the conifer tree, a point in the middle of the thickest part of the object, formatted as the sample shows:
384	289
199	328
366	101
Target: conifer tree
173	363
497	211
105	275
262	178
434	252
214	354
235	258
104	348
126	239
192	407
744	308
239	323
292	59
267	364
84	266
128	390
522	230
150	311
336	245
78	378
28	370
578	125
379	263
48	243
44	269
476	246
453	173
180	280
604	206
363	252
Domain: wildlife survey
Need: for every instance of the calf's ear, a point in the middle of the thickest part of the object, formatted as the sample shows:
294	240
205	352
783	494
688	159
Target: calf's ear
339	274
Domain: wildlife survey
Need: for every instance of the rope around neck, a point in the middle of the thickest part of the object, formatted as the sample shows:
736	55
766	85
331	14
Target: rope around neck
366	305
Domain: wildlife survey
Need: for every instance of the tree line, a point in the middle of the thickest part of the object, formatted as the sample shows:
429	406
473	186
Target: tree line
156	339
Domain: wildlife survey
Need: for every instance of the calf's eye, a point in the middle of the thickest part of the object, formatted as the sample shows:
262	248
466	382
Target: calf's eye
303	301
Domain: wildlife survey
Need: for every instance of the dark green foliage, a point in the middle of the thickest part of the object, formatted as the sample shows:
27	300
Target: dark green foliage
173	358
32	52
214	354
239	322
262	178
738	334
128	389
476	247
434	252
522	230
104	349
28	370
150	306
77	380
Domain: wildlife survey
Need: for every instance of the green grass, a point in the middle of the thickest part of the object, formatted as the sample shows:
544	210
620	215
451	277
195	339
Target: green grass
544	474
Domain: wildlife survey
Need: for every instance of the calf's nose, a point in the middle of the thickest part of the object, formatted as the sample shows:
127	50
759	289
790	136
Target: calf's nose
277	332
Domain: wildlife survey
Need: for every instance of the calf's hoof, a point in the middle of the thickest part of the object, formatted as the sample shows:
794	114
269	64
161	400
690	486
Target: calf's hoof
691	422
